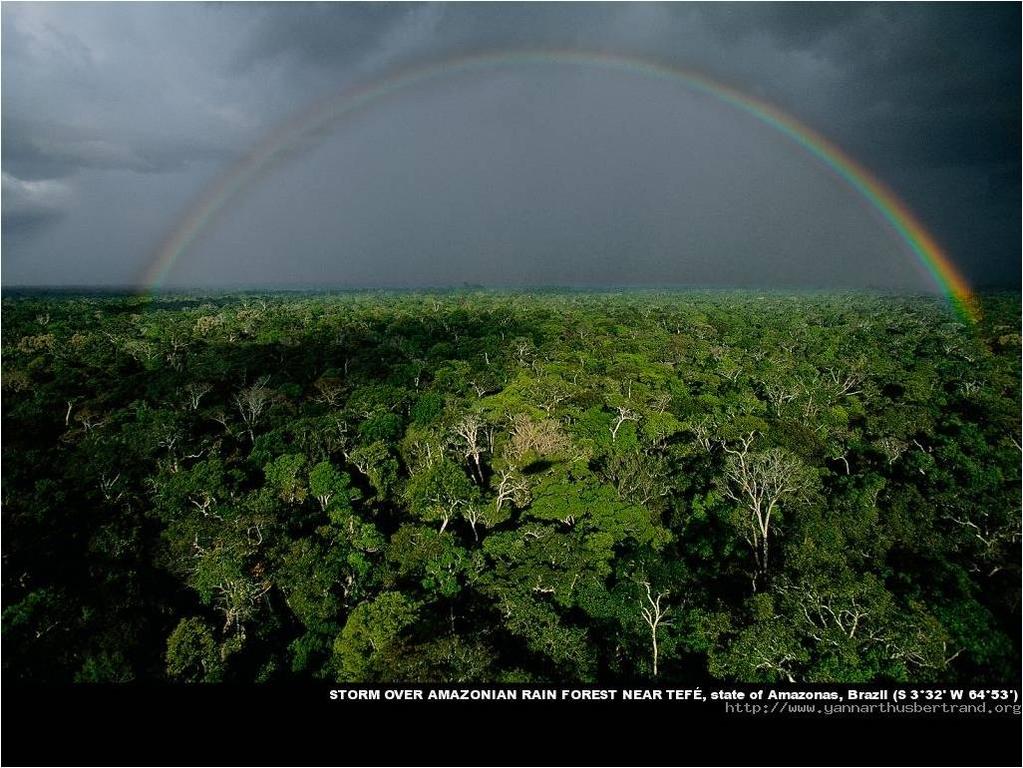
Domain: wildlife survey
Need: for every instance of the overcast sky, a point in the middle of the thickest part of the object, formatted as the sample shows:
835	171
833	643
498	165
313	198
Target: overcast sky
116	117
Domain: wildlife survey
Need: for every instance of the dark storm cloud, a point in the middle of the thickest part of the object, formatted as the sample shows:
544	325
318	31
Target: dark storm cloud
320	34
497	181
45	150
99	97
28	205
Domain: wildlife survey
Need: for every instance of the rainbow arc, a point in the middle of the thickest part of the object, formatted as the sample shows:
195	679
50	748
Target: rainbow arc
321	114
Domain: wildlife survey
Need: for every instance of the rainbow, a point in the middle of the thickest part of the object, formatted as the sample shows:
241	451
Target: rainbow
275	146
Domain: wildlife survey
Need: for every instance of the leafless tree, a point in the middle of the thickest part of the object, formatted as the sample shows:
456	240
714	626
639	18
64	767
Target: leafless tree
654	615
995	537
759	482
523	349
222	419
892	448
251	402
702	430
329	391
813	398
545	437
844	383
195	391
108	486
778	393
177	353
474	514
511	487
90	420
732	374
549	393
637	476
624	414
825	614
661	401
139	350
237	599
473	431
449	508
774	657
480	388
969	387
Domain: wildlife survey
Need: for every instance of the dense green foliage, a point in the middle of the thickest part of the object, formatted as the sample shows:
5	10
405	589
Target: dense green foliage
500	487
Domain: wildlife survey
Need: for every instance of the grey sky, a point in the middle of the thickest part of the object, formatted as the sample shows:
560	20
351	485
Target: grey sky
116	117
